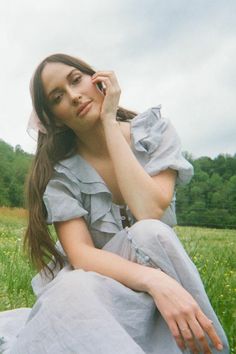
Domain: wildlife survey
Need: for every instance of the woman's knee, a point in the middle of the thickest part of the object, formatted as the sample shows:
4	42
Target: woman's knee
80	277
147	228
74	281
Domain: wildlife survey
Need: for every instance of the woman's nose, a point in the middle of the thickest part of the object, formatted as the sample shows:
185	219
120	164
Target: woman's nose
75	100
75	97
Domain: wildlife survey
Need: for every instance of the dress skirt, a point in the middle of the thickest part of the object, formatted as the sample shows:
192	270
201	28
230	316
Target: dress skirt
84	312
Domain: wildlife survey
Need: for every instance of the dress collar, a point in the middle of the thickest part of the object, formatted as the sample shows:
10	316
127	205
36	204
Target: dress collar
139	132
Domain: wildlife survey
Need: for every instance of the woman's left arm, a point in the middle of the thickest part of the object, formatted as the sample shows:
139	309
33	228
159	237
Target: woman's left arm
146	196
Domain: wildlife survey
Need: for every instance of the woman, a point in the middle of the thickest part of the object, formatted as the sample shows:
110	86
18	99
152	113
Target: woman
119	280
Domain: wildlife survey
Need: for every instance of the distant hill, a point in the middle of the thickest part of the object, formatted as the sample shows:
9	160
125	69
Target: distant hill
14	166
208	200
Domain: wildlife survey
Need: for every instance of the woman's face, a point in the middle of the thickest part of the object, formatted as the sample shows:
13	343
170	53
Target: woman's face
67	89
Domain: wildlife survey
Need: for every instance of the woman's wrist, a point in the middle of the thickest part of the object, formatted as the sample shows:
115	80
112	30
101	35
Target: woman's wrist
109	120
151	279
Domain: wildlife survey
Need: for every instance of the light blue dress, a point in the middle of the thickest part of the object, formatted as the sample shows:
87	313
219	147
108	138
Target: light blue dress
80	312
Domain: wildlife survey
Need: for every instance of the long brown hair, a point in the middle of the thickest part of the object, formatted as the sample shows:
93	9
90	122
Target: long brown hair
58	144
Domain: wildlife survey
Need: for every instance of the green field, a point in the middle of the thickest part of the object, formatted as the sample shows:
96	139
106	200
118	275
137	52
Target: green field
212	250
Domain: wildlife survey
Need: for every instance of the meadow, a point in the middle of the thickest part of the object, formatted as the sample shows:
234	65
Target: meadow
212	250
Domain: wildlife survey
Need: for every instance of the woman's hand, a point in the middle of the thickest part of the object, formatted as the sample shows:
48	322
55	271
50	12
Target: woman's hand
111	94
186	321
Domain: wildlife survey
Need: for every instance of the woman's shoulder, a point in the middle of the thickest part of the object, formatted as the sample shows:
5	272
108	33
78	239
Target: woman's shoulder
147	128
156	142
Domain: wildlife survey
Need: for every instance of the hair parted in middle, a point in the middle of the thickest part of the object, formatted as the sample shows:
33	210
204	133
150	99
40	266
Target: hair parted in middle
59	142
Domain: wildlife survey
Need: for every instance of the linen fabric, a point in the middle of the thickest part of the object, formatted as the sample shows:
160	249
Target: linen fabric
86	312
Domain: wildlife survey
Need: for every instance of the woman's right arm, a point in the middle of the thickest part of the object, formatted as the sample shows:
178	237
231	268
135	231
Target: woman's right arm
81	252
176	305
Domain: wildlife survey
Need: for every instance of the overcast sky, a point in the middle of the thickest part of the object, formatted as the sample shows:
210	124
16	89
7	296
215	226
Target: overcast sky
180	54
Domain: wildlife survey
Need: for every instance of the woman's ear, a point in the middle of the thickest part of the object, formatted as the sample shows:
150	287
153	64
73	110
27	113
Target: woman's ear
59	124
101	87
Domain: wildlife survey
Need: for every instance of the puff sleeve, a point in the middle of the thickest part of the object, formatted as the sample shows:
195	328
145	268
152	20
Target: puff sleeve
158	138
62	199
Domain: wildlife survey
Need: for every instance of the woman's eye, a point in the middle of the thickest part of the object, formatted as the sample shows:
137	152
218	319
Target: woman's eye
76	80
57	98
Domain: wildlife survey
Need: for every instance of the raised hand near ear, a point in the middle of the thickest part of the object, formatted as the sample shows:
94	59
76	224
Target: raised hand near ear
112	93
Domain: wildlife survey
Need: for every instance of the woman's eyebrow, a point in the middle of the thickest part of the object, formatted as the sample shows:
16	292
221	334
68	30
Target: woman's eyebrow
70	73
67	77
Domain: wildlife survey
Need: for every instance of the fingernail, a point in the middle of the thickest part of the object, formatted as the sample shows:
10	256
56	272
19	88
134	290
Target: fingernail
219	346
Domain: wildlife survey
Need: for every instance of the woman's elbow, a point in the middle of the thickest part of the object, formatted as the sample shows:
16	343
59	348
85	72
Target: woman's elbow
153	213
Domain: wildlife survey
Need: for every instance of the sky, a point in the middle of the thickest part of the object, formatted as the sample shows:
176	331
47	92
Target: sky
177	53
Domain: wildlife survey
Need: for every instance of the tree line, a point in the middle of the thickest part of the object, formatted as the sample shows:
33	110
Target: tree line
208	200
14	166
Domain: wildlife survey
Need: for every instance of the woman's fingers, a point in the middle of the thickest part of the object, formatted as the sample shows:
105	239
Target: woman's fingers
200	336
189	337
178	306
107	72
191	327
195	330
106	75
112	94
110	74
112	89
208	327
104	79
109	81
176	334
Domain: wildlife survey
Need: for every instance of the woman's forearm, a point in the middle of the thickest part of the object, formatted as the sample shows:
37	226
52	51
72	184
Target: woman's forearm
133	275
144	197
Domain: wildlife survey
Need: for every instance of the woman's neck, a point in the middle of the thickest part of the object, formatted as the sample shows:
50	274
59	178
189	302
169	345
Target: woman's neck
93	143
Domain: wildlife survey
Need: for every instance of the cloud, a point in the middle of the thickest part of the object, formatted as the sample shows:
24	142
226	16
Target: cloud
179	54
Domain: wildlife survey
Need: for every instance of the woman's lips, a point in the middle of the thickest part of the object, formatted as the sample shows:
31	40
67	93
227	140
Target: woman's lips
85	109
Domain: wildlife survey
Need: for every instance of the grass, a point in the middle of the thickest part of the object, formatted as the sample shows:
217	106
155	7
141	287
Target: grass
15	269
214	253
212	250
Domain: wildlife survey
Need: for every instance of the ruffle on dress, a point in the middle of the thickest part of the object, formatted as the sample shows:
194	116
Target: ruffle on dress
160	144
77	189
81	192
147	130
